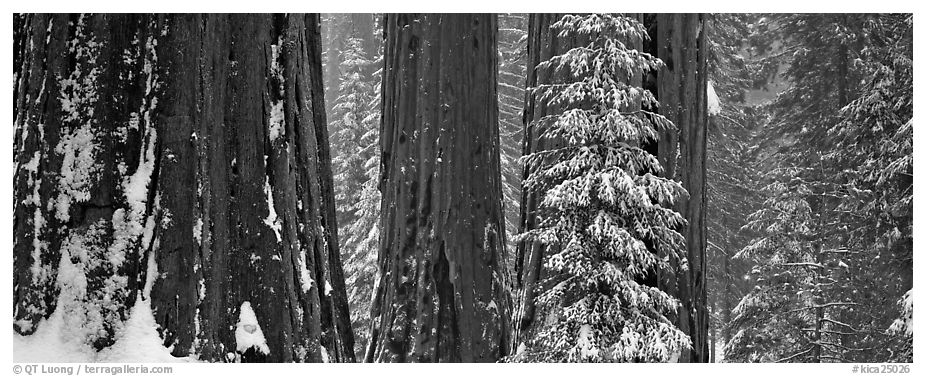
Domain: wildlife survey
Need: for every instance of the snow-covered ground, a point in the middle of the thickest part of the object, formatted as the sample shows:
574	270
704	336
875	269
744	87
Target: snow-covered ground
138	342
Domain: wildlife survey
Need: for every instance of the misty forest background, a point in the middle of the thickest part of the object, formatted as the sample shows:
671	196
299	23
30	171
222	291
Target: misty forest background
421	187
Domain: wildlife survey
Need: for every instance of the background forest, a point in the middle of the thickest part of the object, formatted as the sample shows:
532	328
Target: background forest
511	187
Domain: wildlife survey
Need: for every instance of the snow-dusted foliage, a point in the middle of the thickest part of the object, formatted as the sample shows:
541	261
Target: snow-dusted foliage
355	162
795	310
834	241
730	182
605	214
354	117
873	141
904	324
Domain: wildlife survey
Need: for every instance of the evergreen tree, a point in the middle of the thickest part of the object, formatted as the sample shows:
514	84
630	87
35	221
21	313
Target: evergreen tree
796	310
353	117
824	279
356	165
730	186
604	210
873	145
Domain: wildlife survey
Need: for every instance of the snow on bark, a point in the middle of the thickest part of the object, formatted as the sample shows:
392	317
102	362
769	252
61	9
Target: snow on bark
78	170
248	333
713	101
39	272
271	220
126	123
277	116
138	342
78	97
128	223
91	312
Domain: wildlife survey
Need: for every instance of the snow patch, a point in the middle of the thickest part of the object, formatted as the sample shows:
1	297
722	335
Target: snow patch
78	98
140	341
151	275
522	347
324	352
128	224
271	220
586	343
78	169
198	231
713	101
39	273
248	333
276	120
137	342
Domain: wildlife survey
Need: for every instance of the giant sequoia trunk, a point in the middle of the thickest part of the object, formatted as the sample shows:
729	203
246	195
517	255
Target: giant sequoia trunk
181	162
681	43
440	295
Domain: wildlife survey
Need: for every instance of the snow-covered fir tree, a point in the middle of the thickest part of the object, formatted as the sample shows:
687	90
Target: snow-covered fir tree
356	174
874	148
826	273
351	121
361	236
606	216
903	326
730	171
797	307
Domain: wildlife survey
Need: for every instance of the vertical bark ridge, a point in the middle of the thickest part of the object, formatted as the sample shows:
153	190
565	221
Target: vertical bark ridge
440	292
682	93
209	158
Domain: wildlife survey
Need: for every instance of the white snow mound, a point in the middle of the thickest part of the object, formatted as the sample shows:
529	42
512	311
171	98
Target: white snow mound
248	333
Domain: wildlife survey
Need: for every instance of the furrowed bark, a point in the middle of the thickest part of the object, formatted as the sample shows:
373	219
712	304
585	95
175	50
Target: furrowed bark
208	174
440	293
681	43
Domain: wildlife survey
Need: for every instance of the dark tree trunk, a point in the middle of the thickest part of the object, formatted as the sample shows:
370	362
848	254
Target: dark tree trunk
542	44
181	161
682	93
440	294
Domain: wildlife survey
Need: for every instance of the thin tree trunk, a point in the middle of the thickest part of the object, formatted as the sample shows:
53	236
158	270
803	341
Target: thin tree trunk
440	293
185	163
